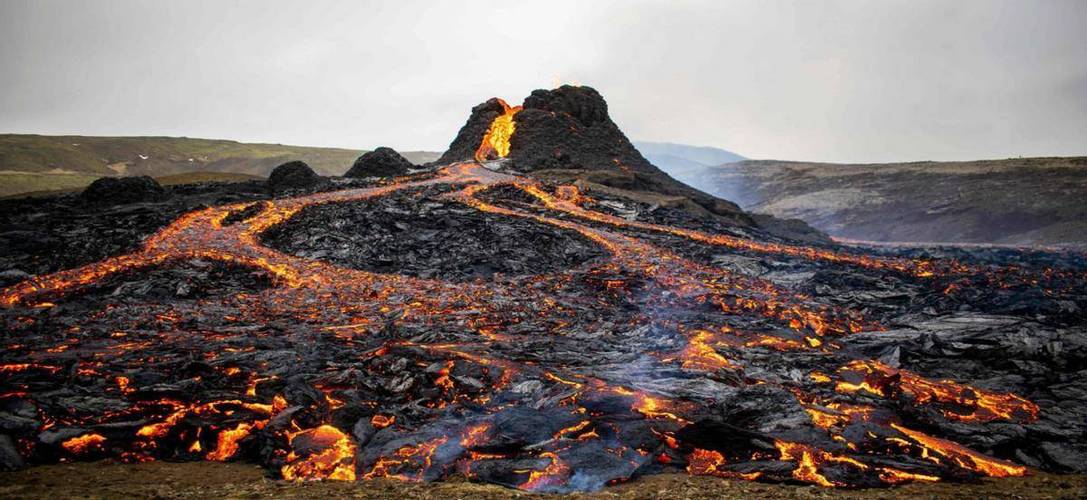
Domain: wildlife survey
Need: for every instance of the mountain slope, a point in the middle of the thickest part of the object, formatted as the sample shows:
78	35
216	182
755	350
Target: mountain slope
1027	201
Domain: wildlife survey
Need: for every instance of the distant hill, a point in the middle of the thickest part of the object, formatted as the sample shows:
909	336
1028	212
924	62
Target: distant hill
59	184
39	163
686	163
1025	201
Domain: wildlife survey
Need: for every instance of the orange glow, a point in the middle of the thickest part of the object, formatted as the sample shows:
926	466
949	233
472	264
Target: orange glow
964	457
707	462
655	408
382	421
418	457
572	430
83	444
701	355
474	435
836	414
804	456
555	473
880	379
334	460
228	441
160	429
443	379
496	142
22	367
894	476
808	459
123	385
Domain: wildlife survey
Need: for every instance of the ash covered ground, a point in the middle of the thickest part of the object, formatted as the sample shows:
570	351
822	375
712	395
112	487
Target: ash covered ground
469	319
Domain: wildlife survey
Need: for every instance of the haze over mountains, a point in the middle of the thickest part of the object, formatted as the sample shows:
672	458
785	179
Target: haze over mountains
1022	201
1019	201
684	159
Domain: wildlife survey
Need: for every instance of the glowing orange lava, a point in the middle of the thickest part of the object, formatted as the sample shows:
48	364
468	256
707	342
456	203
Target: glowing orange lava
331	455
496	142
984	406
83	444
963	456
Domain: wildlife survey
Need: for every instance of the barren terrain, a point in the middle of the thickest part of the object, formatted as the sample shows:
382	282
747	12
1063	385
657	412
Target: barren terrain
1028	201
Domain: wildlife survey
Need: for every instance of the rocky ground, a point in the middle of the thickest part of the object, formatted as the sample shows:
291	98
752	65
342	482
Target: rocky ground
102	480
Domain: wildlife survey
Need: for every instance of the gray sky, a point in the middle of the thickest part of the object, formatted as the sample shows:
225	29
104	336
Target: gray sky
842	81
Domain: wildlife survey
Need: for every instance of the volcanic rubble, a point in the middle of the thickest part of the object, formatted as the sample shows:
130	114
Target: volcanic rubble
473	320
381	162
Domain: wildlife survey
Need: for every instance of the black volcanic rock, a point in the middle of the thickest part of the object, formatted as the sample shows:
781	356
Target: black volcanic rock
464	146
565	135
293	175
569	128
9	455
428	240
381	162
109	191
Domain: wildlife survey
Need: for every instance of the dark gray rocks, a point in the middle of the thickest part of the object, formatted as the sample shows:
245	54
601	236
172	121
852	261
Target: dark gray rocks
381	162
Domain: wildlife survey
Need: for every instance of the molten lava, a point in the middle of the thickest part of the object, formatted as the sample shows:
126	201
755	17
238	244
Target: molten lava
496	142
84	444
328	454
983	406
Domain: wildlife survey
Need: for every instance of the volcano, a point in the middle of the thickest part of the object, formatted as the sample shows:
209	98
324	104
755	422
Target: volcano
543	309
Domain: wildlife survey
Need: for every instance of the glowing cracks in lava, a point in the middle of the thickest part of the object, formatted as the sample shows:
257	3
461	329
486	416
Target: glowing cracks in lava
708	462
700	354
382	421
23	367
554	474
412	457
228	441
805	457
809	459
656	408
123	383
704	462
320	453
882	380
837	414
496	142
474	435
963	456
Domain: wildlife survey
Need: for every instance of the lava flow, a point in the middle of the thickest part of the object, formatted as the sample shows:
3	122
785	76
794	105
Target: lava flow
636	359
496	142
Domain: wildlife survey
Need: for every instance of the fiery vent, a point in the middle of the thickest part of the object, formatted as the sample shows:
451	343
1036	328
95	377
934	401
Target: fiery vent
496	142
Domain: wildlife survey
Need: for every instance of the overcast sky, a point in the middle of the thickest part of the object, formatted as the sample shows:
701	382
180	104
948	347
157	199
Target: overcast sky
845	81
